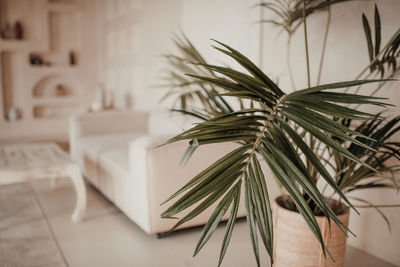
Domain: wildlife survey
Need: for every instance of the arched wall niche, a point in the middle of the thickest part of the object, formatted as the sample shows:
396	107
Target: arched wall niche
55	85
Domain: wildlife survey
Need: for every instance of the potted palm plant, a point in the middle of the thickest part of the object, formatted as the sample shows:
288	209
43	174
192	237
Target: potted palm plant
302	137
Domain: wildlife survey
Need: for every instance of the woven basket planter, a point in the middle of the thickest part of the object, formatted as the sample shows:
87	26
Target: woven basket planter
296	246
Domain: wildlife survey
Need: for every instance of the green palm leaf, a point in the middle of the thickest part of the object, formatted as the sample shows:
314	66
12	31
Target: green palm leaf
216	217
251	219
231	223
367	30
266	132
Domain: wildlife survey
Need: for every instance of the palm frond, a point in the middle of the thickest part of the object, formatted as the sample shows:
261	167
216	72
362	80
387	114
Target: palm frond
381	61
379	133
188	91
289	15
266	132
377	209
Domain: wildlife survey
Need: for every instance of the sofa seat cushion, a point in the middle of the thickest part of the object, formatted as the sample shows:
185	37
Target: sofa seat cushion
108	157
110	172
113	145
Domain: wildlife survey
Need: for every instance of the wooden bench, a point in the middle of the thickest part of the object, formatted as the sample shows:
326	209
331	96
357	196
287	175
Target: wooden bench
27	162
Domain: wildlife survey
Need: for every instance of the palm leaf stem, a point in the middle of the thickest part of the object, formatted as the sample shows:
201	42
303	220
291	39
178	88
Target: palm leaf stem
324	189
377	210
321	63
289	66
253	150
359	87
250	156
261	134
380	85
306	44
311	138
327	162
376	57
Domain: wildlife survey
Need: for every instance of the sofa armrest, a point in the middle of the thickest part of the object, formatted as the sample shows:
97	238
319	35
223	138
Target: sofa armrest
139	151
104	122
158	170
140	154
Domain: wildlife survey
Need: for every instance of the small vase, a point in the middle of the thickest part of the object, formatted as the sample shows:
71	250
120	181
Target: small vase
296	246
13	114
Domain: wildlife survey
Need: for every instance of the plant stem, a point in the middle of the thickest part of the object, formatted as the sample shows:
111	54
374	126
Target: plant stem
306	43
381	85
311	139
261	43
359	87
324	189
321	63
288	62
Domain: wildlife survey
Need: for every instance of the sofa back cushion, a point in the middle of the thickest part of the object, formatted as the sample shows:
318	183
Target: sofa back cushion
112	122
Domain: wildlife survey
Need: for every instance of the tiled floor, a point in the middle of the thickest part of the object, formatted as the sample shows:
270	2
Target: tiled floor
25	239
107	238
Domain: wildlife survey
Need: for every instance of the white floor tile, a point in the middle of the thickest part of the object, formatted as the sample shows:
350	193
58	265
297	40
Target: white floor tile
107	238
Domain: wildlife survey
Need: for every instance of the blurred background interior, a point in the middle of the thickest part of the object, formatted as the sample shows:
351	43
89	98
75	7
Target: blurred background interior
86	75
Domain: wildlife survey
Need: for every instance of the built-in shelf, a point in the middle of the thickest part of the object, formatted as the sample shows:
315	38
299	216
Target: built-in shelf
16	45
53	68
52	111
34	130
63	7
44	95
61	100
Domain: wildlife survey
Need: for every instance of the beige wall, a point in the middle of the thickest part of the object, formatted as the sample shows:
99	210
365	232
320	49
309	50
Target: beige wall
134	34
230	22
346	56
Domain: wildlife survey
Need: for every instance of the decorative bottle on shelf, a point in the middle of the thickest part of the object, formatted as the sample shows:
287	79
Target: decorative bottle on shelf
18	30
61	90
36	59
72	58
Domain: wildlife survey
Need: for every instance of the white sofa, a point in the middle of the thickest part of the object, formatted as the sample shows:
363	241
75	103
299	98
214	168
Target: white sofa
118	155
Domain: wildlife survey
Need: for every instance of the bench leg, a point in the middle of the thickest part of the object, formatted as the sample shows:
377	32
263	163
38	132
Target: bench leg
80	190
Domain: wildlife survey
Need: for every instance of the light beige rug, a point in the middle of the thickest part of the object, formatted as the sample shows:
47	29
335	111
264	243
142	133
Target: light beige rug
25	237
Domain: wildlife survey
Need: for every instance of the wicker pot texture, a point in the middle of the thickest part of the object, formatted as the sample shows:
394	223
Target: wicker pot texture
296	246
